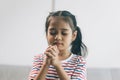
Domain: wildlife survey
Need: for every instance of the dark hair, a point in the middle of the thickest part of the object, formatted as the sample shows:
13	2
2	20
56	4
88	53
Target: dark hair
77	46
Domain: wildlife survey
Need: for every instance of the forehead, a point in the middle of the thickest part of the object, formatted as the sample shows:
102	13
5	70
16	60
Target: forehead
59	23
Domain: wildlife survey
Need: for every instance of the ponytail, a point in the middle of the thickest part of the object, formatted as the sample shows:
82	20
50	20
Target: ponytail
78	47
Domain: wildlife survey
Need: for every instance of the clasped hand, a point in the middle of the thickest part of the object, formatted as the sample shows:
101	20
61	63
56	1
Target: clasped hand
52	57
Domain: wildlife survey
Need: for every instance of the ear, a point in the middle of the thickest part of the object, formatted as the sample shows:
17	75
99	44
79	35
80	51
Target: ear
74	35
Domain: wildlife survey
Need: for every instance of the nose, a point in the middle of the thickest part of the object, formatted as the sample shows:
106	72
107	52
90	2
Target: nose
58	37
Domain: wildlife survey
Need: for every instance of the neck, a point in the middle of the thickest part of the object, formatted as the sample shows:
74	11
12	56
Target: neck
64	55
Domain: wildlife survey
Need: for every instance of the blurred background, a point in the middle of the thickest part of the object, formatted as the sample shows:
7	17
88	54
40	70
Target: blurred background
22	33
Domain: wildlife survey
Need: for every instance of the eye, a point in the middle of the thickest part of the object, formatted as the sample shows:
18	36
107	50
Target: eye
64	33
53	32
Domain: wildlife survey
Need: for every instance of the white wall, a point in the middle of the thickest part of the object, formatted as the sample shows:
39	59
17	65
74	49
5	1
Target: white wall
22	29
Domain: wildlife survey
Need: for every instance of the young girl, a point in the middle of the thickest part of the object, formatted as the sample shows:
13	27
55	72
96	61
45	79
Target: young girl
64	58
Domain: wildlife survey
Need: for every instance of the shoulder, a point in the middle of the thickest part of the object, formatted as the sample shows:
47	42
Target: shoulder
38	56
79	58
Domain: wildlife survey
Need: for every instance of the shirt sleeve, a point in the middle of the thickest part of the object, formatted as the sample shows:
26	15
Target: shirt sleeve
38	60
80	72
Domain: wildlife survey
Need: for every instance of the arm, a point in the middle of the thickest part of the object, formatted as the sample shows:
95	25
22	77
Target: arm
42	74
39	68
53	54
44	69
45	66
61	72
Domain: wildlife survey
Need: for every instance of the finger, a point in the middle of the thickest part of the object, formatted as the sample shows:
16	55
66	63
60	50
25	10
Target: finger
52	51
56	49
49	46
47	50
48	54
53	48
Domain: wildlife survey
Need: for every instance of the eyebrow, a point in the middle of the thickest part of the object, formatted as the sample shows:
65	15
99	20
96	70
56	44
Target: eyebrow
63	29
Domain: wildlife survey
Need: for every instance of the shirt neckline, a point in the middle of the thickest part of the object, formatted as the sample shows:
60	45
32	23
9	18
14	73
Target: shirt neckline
67	58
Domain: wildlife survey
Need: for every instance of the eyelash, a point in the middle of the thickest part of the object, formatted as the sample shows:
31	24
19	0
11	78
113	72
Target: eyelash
64	33
54	33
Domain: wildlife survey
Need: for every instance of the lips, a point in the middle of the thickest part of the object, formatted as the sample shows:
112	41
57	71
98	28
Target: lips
57	43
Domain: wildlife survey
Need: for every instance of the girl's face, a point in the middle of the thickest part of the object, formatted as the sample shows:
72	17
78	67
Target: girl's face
60	34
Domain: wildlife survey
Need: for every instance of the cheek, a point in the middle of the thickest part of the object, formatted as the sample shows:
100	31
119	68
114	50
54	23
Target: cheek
50	39
68	40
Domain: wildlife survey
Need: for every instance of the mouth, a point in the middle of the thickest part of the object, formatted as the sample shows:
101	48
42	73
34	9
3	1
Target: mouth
56	43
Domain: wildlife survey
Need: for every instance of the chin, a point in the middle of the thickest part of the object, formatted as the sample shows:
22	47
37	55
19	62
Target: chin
60	48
